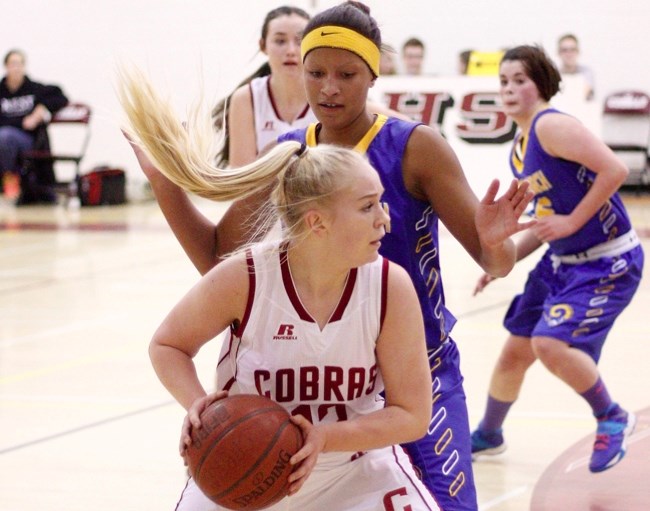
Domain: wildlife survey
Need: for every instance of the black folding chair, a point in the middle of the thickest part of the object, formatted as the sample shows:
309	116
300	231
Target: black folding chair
63	141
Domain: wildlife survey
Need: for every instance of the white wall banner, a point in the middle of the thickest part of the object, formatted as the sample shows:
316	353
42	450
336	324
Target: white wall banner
467	110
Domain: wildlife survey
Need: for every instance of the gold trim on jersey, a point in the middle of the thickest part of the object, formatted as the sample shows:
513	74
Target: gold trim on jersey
519	153
310	135
370	135
363	144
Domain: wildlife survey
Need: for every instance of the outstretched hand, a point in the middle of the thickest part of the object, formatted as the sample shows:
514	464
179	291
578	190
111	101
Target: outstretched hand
498	219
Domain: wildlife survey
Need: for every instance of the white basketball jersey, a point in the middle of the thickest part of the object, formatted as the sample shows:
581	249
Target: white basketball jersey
268	124
326	375
280	352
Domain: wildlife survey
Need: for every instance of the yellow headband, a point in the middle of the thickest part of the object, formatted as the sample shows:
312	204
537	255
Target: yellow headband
344	39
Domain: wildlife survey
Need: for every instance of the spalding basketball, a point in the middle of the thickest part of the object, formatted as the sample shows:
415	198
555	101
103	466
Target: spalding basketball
240	456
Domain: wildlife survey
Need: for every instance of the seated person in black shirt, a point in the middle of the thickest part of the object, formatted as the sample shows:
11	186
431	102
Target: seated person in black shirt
25	108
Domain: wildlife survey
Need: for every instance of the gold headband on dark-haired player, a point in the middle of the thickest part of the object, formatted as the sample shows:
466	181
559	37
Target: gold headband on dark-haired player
331	36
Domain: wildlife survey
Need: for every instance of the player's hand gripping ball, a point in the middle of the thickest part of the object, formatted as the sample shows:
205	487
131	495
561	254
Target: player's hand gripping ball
240	456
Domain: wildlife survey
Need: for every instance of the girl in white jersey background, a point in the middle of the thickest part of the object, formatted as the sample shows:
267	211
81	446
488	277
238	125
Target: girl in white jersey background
272	100
348	311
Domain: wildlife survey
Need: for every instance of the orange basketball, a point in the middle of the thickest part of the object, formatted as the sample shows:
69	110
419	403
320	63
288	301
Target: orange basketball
240	456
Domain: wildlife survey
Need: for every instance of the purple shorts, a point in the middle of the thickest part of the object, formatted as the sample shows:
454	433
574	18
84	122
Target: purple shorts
576	303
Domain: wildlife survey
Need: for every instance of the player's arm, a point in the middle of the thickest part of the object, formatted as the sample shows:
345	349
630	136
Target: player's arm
211	306
204	241
565	137
241	127
525	245
433	173
402	360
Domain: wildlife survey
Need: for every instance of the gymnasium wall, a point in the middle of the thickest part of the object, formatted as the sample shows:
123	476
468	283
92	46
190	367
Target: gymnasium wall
207	46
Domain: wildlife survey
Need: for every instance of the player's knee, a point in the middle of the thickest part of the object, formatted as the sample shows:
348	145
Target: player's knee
515	357
549	351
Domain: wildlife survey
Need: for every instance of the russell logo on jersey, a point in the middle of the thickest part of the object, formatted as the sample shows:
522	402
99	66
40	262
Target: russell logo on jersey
285	333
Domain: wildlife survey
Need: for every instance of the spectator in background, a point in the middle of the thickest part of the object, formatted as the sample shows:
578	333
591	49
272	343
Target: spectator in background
412	56
463	61
387	62
25	108
569	52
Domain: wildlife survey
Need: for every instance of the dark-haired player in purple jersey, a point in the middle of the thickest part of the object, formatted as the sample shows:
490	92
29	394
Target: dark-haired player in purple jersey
590	271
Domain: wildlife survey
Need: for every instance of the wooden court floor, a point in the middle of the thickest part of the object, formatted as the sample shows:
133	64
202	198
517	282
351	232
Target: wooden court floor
85	424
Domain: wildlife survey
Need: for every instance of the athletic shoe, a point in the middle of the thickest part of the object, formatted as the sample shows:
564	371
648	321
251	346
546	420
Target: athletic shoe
11	185
609	447
487	443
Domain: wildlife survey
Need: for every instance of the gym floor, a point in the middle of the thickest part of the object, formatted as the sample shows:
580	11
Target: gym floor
85	424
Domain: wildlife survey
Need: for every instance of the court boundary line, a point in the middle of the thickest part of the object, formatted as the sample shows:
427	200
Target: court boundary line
85	427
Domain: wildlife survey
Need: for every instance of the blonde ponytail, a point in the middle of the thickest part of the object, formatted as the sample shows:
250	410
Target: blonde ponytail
184	153
300	177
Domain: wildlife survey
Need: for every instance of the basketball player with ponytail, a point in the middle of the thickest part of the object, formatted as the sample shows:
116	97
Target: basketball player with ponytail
423	183
355	333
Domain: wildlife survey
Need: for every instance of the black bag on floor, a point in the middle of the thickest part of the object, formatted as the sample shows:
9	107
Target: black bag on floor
103	186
